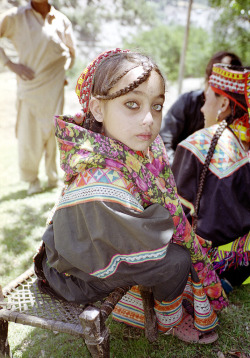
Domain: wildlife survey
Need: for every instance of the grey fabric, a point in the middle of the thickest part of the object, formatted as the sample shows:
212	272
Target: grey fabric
167	277
85	237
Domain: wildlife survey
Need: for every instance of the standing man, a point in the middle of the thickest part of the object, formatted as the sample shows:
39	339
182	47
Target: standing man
43	39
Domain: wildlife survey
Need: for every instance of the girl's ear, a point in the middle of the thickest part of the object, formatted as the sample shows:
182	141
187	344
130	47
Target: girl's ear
96	107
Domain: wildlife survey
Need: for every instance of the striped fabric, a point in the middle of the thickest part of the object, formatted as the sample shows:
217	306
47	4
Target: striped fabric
129	310
233	254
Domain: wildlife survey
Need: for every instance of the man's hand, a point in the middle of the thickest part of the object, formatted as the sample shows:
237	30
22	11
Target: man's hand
24	72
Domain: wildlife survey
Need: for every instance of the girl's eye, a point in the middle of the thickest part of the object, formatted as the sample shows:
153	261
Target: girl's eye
157	107
132	105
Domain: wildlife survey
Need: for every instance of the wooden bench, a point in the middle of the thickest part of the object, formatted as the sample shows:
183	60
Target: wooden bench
22	302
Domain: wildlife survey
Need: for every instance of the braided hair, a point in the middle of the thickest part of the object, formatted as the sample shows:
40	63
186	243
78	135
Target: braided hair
204	171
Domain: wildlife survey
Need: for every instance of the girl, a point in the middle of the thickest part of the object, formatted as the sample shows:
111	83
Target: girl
119	221
212	172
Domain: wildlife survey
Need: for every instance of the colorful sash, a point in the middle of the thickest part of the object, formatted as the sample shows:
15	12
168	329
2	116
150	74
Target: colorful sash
233	254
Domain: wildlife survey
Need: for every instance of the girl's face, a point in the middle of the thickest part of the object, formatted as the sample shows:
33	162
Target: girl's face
211	107
135	118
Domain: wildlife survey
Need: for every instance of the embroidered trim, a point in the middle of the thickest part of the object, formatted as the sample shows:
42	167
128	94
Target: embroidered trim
99	192
228	156
135	258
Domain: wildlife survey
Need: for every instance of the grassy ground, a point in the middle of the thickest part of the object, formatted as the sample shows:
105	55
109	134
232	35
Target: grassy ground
21	227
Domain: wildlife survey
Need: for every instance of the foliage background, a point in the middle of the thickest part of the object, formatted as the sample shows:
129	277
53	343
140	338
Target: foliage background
147	26
157	27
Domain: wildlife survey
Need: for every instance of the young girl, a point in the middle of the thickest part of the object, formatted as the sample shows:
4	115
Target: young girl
119	221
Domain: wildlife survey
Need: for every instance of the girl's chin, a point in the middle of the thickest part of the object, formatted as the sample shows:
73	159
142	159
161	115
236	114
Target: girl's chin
140	148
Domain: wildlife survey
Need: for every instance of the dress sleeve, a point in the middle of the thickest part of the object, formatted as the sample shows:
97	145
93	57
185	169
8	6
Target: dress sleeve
97	236
71	44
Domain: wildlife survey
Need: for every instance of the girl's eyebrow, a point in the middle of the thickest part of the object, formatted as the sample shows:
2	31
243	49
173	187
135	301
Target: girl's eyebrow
142	93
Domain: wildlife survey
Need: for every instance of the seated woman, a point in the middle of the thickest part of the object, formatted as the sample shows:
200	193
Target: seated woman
118	221
212	173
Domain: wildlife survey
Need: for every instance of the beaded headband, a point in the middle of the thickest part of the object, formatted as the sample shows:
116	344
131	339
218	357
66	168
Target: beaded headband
85	81
225	79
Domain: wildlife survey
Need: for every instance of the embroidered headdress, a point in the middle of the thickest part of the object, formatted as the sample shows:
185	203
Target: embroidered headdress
227	81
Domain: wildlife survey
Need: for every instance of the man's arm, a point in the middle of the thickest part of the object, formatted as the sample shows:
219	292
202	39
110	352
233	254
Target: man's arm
70	43
24	72
7	28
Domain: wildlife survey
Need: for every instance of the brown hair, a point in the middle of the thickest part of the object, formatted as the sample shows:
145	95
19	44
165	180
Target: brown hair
217	58
110	71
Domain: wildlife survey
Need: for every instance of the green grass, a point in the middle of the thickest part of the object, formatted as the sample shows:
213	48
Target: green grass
21	227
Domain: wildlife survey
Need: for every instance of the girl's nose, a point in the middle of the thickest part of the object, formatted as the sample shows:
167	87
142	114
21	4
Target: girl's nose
148	119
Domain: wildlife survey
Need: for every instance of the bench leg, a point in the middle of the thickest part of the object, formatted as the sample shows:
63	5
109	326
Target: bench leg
150	324
4	345
95	333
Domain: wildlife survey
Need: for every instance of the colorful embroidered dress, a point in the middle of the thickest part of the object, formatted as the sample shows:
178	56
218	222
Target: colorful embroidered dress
224	212
121	213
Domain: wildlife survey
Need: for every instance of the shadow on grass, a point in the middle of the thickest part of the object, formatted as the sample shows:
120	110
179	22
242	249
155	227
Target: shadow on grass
27	220
22	235
22	194
125	343
7	268
50	189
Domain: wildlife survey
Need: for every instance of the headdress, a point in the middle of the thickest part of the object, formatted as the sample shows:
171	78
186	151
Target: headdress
226	81
85	81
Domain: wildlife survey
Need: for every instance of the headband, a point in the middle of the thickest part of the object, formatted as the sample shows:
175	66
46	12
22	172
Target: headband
85	81
225	79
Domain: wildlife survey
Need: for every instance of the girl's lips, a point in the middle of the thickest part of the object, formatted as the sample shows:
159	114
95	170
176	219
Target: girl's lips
144	137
